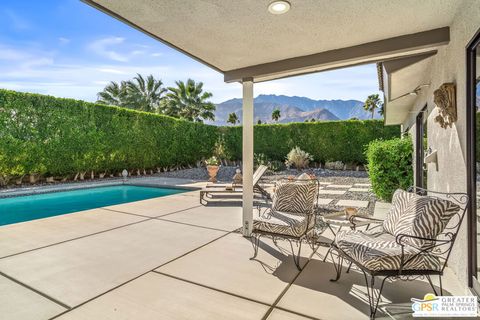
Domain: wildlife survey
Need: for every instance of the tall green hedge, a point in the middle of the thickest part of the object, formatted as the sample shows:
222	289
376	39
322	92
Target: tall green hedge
390	166
51	136
325	141
58	137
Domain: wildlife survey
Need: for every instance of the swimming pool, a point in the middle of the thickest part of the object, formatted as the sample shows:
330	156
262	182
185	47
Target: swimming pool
31	207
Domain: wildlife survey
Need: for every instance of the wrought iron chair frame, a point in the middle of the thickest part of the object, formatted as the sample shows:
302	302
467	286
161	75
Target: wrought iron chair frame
438	248
305	236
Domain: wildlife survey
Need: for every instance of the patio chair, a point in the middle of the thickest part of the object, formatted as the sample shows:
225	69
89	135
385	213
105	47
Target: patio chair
235	189
414	241
291	216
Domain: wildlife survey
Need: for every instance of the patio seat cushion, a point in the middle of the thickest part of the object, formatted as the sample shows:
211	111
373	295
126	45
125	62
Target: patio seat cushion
420	216
400	201
295	196
378	251
424	217
283	223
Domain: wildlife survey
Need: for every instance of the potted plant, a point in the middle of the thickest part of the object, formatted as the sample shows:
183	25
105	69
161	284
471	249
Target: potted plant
212	168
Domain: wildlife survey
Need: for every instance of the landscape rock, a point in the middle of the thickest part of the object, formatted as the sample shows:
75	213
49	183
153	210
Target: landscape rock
334	165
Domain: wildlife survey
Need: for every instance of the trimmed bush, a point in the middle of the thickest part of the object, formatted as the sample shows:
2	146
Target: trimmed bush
51	136
390	166
47	136
326	141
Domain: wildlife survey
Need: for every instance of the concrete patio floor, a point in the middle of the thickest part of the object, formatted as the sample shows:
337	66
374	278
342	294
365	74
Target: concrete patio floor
171	258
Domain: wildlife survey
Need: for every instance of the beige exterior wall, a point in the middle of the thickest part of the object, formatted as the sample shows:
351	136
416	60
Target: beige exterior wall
449	65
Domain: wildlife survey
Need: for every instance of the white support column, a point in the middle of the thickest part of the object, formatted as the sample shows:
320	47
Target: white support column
247	156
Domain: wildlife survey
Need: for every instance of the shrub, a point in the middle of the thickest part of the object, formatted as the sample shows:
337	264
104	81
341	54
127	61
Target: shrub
326	141
44	135
298	158
61	137
260	159
390	166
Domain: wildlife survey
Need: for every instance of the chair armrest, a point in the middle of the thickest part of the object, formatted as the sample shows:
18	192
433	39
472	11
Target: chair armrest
435	242
360	217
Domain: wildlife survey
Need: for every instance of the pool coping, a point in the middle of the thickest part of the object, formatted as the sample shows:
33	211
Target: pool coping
27	191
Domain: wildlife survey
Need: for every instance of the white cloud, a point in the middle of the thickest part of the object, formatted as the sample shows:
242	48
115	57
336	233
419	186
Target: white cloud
37	62
137	52
63	41
12	54
102	48
82	77
112	70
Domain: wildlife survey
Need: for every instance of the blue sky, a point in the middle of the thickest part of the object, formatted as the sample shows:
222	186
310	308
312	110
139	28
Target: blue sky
65	48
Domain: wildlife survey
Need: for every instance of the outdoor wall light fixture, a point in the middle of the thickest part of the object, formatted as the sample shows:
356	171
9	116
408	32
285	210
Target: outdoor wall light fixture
415	92
279	7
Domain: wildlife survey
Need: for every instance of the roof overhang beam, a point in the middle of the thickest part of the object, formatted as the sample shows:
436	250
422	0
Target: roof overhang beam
340	58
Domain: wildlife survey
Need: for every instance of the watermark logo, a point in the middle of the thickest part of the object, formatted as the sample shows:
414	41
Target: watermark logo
445	306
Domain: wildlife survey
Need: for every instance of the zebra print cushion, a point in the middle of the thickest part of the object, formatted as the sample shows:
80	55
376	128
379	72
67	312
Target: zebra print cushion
283	223
400	201
424	217
378	251
295	196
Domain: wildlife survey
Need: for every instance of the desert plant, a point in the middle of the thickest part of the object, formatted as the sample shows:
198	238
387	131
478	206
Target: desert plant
219	147
298	158
276	165
260	159
390	165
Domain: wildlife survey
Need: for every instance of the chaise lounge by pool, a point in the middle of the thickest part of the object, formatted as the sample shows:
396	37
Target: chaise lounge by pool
31	207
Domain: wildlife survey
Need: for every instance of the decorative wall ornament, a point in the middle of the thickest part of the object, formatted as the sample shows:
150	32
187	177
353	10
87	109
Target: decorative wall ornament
445	99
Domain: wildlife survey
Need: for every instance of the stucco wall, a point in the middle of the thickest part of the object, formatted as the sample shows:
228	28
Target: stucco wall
449	66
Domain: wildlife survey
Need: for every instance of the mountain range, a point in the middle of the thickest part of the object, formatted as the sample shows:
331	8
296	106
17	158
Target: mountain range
293	109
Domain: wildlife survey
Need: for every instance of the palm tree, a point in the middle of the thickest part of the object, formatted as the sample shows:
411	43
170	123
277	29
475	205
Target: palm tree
138	93
146	94
232	118
373	102
381	111
114	94
188	101
276	115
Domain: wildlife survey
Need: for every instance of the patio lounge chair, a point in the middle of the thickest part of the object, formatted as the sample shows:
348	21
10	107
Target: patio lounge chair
414	241
291	216
235	189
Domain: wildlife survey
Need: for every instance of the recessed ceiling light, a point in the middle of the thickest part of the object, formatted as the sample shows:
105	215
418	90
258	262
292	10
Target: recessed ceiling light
279	7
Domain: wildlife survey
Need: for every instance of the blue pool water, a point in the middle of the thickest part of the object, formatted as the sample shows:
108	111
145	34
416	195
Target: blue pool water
25	208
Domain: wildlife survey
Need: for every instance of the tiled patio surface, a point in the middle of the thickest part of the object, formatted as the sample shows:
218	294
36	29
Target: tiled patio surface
170	258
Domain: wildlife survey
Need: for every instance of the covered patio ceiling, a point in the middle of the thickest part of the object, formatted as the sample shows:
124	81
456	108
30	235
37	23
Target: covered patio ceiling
242	39
247	43
401	80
